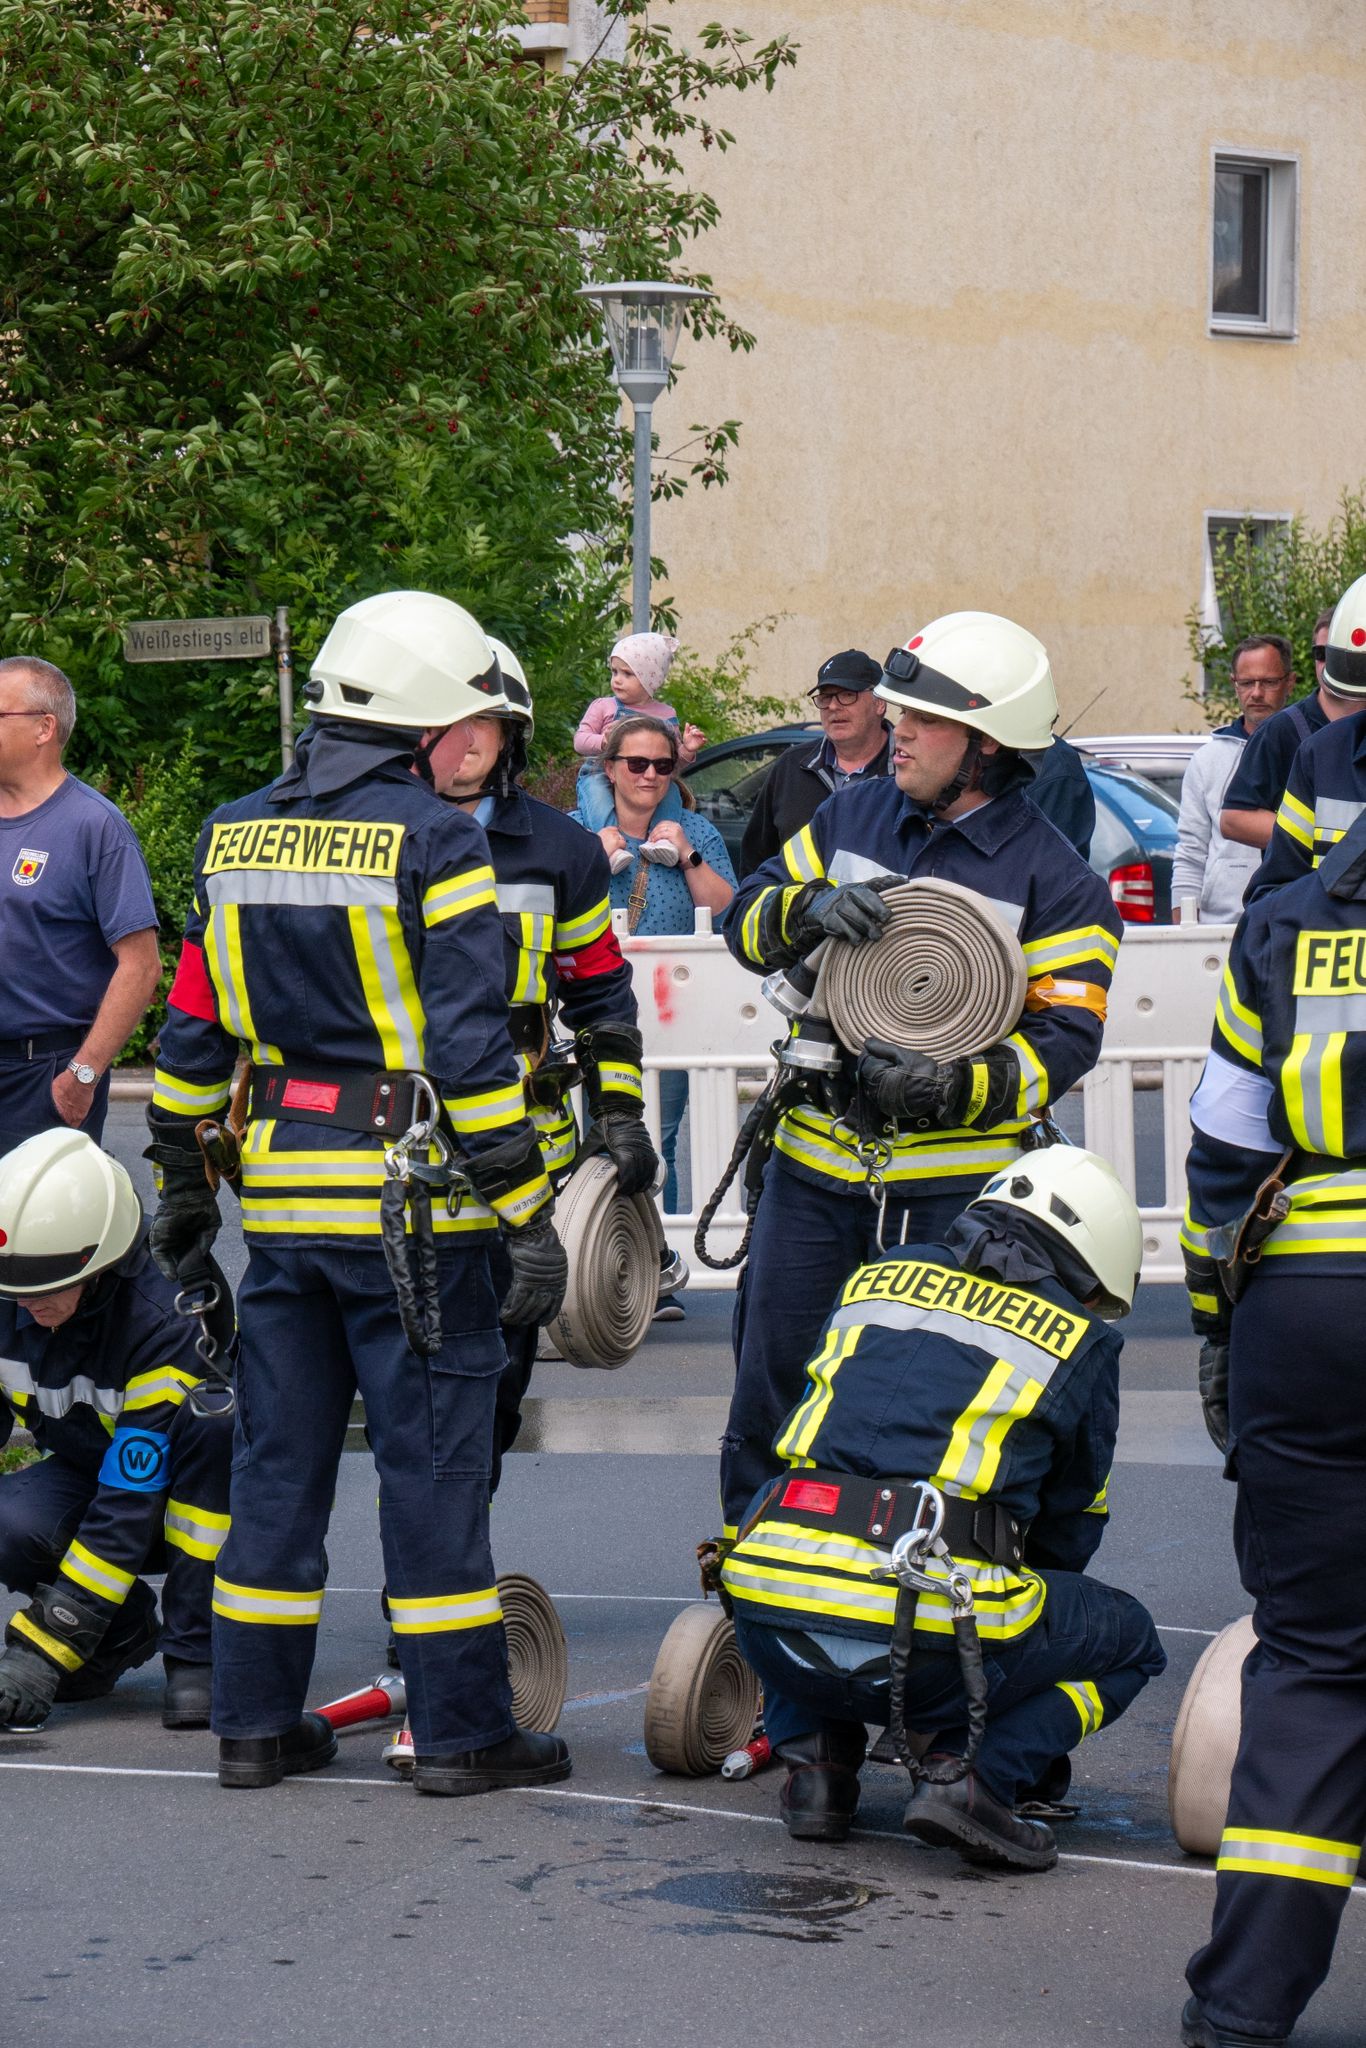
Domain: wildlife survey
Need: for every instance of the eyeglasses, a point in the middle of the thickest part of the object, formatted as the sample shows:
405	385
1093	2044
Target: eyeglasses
1272	682
825	696
644	764
24	714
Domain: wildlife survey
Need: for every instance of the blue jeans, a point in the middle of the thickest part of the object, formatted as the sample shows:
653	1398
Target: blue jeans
673	1105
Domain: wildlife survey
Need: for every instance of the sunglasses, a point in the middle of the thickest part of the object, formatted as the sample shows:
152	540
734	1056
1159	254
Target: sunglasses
645	764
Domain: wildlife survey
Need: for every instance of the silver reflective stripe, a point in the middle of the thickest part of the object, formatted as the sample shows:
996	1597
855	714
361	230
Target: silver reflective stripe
1311	1091
939	1322
1305	1226
1316	1016
1012	914
414	1617
382	956
277	885
968	1471
1288	1856
855	867
538	897
15	1378
876	1604
1334	814
181	1522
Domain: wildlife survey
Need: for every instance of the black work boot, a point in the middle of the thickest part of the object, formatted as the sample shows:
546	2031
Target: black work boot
188	1695
522	1758
820	1796
964	1816
129	1641
1198	2032
250	1761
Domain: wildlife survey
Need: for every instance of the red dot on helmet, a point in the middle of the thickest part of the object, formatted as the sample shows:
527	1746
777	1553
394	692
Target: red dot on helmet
911	645
4	1239
1359	636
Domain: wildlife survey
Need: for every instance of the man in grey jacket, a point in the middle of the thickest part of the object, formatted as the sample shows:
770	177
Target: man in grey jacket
1209	867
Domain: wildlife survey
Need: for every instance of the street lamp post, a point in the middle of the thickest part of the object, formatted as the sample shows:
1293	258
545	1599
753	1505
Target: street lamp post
644	322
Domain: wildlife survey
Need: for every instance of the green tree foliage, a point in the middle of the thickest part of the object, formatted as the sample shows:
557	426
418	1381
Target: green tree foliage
1276	585
288	314
164	802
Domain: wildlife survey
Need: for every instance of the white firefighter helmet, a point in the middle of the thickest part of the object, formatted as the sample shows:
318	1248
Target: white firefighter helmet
1083	1201
67	1210
1344	669
407	659
981	670
516	688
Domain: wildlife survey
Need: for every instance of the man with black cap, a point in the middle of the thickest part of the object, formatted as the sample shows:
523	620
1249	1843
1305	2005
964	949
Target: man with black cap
857	745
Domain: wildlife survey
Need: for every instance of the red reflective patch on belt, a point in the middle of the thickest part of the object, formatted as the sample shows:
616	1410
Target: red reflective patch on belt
192	991
323	1095
601	955
812	1495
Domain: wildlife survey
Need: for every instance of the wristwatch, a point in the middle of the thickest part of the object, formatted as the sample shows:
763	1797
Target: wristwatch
694	859
85	1075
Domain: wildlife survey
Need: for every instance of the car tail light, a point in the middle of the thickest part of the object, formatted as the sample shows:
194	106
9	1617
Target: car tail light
1132	889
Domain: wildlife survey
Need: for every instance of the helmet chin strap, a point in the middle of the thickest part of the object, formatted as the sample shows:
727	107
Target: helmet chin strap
967	777
422	756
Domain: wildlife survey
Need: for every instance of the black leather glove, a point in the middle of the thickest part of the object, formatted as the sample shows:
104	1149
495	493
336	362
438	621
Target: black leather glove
1213	1383
186	1220
28	1677
540	1273
852	911
627	1143
901	1083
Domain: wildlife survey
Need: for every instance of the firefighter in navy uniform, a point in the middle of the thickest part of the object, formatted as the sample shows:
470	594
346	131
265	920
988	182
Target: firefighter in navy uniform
1279	1124
97	1363
1326	788
563	964
344	925
976	705
985	1366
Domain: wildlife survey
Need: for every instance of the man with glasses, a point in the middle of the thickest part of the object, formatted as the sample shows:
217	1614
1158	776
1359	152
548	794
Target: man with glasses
1254	795
1213	869
855	746
1325	789
78	930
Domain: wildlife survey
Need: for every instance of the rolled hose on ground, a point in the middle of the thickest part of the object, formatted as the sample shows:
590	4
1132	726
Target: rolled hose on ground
703	1699
1205	1741
946	978
614	1243
538	1660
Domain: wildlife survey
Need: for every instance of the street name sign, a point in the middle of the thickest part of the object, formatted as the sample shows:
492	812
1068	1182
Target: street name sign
246	639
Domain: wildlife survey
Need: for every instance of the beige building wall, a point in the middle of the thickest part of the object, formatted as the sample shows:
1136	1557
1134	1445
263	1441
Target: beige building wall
973	240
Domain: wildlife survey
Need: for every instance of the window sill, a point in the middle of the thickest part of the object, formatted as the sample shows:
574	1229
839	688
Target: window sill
1241	330
547	35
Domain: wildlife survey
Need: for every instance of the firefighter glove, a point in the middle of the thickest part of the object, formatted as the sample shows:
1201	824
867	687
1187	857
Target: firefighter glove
627	1143
1213	1383
901	1083
540	1273
28	1686
852	911
186	1220
54	1634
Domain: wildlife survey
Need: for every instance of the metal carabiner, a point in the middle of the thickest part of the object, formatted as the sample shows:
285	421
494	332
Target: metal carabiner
421	1132
908	1556
198	1303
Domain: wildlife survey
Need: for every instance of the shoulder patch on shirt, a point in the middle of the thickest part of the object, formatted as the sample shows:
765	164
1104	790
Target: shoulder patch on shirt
137	1461
28	867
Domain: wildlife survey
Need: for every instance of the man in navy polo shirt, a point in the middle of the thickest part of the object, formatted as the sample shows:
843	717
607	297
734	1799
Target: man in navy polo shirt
78	931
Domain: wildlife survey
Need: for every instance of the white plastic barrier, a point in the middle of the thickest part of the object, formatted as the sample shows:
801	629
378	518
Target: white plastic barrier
702	1012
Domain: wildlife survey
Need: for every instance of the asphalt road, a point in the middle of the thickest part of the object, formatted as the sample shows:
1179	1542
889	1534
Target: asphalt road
146	1906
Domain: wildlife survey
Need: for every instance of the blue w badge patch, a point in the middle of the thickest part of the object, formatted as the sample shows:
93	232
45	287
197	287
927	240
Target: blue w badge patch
138	1460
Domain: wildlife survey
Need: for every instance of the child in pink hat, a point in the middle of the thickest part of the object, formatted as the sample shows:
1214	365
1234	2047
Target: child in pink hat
639	665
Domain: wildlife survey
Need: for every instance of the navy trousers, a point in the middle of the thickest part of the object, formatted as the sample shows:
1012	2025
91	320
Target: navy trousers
26	1105
1087	1658
43	1506
807	1241
1297	1810
315	1325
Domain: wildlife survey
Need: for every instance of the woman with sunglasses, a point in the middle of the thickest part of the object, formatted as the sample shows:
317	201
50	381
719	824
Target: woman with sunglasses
665	869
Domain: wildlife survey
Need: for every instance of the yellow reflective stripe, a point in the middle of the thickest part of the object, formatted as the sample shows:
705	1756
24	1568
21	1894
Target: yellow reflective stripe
395	1012
1194	1236
223	952
801	858
1088	1703
60	1653
200	1532
1033	1075
533	947
188	1098
266	1605
86	1568
1241	1026
441	1613
1207	1304
981	1082
1292	1089
488	1111
573	932
806	1137
796	1439
1070	949
167	1384
472	889
973	1459
1330	1094
1265	1852
1296	819
1101	1504
620	1077
523	1202
749	927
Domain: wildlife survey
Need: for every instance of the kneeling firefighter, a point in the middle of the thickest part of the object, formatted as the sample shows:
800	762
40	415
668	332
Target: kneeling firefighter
922	1564
563	966
344	924
894	1144
96	1361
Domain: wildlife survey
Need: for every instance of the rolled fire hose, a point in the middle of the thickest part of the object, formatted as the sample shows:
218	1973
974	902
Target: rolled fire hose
614	1243
1205	1741
946	978
703	1699
538	1668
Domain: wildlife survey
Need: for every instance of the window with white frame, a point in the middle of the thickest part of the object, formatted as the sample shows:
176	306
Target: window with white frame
1254	245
